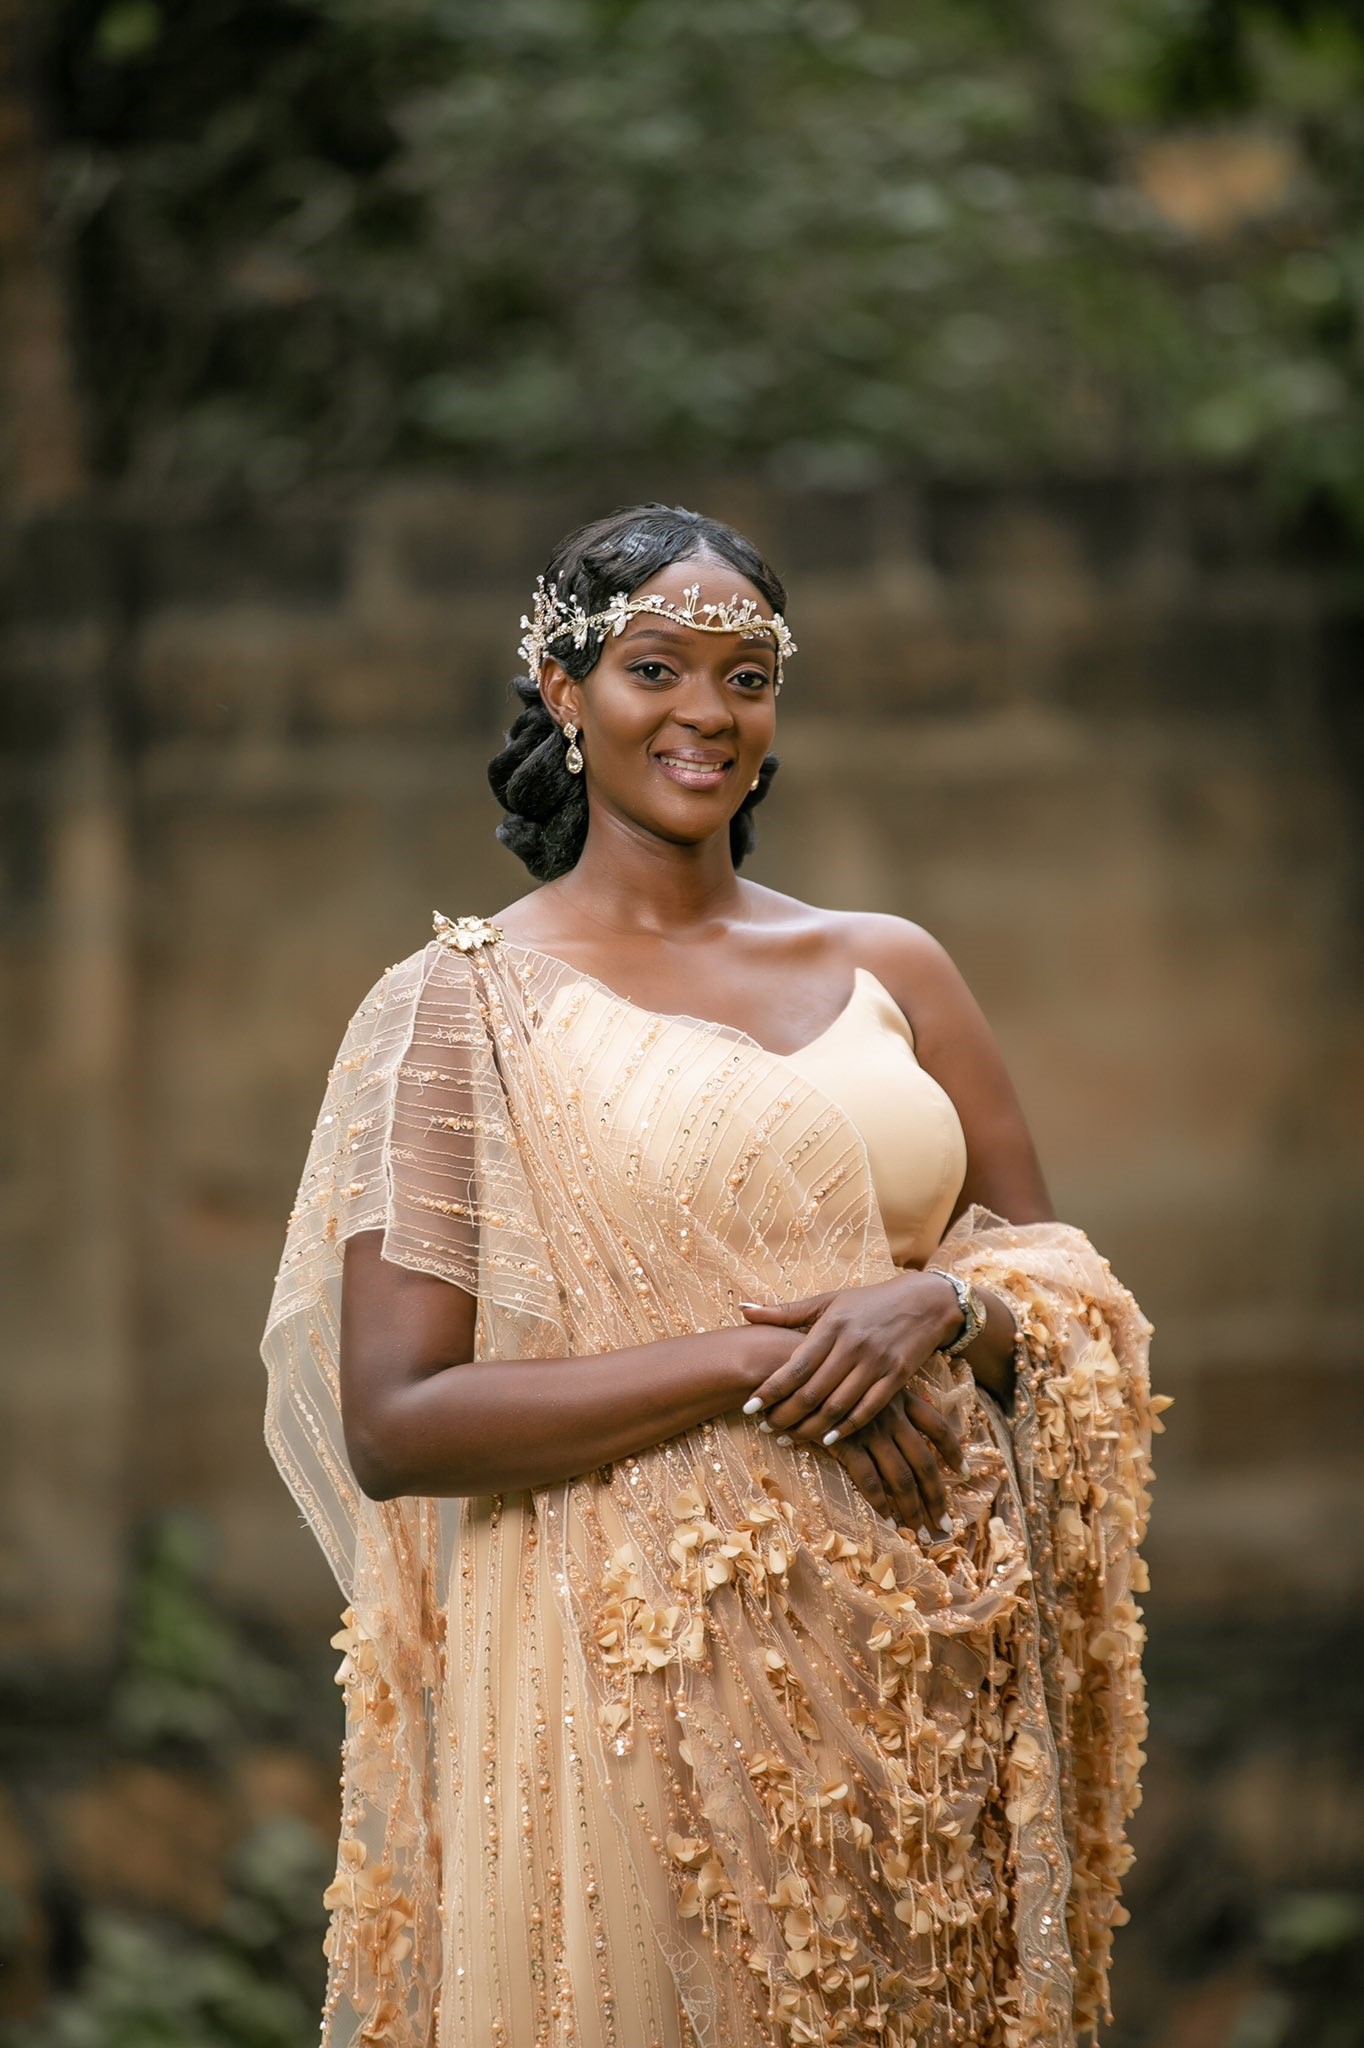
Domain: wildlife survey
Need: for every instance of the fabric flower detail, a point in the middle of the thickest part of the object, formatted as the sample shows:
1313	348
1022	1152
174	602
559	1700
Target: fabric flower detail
706	1894
371	1926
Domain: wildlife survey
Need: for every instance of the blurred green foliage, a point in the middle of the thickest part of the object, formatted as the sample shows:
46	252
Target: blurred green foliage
192	1690
253	1982
312	238
1313	1945
188	1677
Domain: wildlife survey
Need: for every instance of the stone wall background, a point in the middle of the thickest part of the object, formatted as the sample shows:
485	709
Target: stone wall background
1105	739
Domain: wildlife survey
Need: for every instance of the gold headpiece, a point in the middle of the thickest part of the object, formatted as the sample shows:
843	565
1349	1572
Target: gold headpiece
552	617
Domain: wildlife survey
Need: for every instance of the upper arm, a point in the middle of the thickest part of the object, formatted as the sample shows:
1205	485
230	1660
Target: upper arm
954	1043
397	1327
411	1315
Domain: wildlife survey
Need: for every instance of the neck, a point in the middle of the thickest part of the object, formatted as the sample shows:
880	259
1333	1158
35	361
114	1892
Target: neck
639	885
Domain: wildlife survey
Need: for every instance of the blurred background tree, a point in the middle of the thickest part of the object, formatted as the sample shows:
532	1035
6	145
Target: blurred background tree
307	239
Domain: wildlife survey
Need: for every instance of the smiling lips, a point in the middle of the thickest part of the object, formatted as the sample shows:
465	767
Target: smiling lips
695	767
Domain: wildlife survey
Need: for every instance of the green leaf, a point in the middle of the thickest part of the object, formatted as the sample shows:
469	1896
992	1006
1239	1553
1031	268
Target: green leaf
127	30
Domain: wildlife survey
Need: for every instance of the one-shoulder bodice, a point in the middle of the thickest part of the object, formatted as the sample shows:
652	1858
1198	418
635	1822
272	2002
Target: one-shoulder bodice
865	1062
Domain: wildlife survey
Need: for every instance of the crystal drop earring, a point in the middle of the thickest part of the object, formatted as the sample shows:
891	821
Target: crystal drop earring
573	759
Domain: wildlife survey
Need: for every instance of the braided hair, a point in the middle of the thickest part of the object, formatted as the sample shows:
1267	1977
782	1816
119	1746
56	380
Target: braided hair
546	807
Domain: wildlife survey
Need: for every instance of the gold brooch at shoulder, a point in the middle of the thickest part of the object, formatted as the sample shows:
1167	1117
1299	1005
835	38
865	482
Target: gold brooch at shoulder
465	934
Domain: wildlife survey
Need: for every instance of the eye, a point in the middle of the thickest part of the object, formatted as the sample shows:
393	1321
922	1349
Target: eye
753	680
650	671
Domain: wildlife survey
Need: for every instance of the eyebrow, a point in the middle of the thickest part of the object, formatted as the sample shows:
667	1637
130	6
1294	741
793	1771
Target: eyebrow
677	637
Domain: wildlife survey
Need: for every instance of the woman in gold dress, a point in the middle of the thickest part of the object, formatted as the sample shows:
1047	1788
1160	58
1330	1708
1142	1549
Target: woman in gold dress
733	1472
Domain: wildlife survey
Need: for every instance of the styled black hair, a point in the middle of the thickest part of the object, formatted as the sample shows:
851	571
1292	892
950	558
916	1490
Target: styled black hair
546	807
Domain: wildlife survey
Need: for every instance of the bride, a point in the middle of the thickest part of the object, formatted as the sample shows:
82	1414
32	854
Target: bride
733	1472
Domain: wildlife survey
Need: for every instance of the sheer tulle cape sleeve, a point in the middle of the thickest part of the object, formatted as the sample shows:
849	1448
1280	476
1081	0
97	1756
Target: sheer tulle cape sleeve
412	1139
1081	1433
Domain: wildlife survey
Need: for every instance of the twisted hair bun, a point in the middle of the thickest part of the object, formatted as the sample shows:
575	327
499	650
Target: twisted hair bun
546	808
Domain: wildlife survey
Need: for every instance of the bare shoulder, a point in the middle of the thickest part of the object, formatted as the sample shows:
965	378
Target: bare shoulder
915	966
522	918
894	939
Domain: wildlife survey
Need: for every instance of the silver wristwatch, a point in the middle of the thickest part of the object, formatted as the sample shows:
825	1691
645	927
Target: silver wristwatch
972	1313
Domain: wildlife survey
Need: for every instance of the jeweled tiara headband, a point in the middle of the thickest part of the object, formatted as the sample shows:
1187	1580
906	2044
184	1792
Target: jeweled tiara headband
553	617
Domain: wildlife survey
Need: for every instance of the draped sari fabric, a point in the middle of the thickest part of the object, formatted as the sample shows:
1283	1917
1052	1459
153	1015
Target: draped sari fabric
698	1748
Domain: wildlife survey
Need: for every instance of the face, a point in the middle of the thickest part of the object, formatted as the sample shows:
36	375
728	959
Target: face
674	722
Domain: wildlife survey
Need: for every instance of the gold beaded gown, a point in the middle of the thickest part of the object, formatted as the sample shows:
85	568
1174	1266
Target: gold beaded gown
698	1748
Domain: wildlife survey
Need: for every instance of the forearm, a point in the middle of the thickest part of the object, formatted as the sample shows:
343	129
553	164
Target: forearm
503	1425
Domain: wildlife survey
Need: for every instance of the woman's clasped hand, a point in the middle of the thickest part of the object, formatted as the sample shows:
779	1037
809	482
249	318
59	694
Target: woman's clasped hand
846	1387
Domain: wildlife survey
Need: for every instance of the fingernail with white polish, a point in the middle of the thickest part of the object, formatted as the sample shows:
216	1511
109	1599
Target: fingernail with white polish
750	1304
946	1523
765	1428
783	1439
924	1536
830	1438
752	1406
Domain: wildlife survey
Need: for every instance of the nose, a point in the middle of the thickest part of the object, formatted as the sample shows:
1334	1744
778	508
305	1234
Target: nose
707	708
